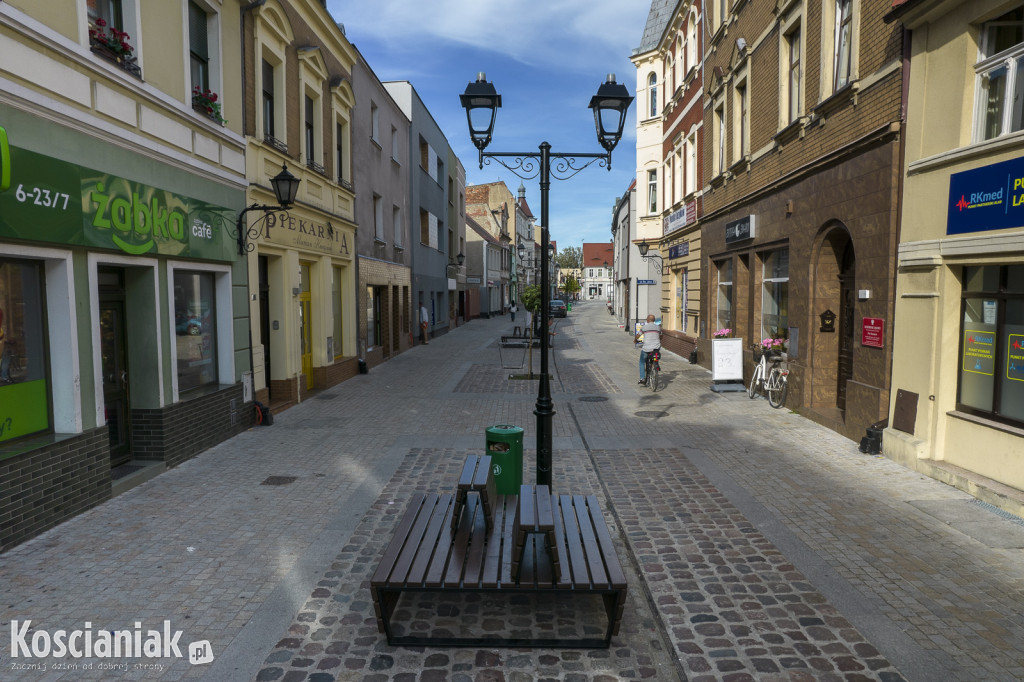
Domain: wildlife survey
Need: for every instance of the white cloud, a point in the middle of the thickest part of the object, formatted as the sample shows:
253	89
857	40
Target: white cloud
535	32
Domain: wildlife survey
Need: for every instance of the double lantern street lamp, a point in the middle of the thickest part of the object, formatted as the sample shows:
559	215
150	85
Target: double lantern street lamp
609	105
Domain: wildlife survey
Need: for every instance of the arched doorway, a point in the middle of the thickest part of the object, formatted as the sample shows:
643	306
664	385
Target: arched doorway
835	295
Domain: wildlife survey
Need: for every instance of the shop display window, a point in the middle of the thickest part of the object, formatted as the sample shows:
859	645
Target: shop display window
775	295
724	306
24	394
195	329
991	358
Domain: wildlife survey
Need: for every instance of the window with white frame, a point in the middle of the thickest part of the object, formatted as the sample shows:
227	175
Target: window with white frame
691	164
652	192
843	43
204	46
691	42
775	295
269	97
1000	76
723	12
652	95
741	119
792	76
24	369
670	76
195	319
309	130
340	145
720	135
374	123
394	143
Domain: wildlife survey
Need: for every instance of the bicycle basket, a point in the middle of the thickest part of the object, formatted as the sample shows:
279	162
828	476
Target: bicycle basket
757	354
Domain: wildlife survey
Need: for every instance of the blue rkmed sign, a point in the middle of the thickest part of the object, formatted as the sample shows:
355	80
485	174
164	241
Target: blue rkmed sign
987	198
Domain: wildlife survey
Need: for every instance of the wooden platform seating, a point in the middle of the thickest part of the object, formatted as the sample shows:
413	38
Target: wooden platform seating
475	541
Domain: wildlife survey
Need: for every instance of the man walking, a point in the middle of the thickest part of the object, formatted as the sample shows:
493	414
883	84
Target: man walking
424	322
649	337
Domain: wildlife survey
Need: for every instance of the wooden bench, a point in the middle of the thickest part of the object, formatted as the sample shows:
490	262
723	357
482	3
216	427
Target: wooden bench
474	541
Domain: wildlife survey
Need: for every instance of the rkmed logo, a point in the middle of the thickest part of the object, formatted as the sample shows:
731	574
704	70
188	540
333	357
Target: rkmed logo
89	643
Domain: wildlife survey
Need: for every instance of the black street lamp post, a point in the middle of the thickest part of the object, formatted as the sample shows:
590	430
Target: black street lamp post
609	105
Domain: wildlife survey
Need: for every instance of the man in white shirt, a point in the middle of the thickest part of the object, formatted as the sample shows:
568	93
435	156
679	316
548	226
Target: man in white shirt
650	338
424	322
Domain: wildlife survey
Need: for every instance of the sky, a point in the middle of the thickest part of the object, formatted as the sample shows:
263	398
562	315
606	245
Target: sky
546	58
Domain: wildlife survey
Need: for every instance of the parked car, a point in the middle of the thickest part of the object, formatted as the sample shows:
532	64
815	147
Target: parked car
557	308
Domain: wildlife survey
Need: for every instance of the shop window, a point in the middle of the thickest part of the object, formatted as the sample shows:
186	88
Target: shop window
724	297
336	305
775	295
991	372
1000	74
24	401
195	329
374	296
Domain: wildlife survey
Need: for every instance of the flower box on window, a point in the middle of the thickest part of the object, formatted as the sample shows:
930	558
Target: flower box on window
206	102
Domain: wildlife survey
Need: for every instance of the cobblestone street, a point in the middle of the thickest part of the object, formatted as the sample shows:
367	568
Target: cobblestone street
757	545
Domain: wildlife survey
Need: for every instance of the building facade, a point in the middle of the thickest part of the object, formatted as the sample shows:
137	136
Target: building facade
802	124
302	270
456	271
380	152
493	207
122	292
428	201
957	407
597	271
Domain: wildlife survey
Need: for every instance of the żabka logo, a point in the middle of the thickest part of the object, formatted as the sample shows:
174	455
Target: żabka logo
135	220
89	643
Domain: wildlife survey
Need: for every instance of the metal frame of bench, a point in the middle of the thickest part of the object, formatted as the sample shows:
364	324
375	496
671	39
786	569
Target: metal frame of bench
535	543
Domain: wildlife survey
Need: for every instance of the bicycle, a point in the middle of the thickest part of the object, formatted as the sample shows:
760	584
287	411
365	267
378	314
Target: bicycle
652	368
776	385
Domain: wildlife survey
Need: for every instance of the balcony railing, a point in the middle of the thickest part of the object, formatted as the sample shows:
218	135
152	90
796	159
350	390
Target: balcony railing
316	168
276	143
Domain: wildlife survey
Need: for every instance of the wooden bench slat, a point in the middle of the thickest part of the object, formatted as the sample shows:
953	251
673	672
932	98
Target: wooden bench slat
615	574
563	578
436	529
579	572
545	520
509	557
459	547
439	564
598	574
405	558
472	573
398	540
492	560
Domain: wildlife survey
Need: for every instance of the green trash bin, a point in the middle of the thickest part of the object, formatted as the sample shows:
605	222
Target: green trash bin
505	446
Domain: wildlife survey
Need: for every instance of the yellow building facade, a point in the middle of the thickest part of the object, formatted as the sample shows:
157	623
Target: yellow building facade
957	403
302	274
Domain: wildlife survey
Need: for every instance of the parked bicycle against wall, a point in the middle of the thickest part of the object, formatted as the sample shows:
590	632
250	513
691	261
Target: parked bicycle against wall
774	382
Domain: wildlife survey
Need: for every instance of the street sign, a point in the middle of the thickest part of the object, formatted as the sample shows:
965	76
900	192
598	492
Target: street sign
645	281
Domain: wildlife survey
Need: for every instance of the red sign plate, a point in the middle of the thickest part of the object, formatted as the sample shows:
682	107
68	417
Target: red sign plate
872	333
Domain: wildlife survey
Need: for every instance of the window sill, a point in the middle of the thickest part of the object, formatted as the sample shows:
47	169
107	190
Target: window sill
989	423
202	391
376	144
742	165
844	95
796	129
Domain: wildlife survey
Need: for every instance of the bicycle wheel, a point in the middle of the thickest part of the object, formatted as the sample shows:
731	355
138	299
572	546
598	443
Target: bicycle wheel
777	388
752	389
654	378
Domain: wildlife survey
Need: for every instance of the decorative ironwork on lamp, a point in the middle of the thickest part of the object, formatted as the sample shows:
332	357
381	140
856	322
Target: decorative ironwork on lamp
644	247
609	105
286	187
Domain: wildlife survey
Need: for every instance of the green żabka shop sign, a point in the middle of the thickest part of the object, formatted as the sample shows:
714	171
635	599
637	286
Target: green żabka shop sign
56	201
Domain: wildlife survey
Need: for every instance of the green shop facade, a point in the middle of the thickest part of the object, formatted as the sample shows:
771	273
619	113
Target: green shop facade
123	319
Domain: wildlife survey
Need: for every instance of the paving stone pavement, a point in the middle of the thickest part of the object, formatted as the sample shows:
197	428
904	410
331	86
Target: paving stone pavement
757	544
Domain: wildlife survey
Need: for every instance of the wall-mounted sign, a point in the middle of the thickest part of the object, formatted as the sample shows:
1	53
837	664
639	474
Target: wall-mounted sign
872	332
679	250
828	321
739	230
59	202
645	281
681	218
986	198
1015	357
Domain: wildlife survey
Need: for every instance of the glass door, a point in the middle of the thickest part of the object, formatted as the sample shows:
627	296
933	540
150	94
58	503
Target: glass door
115	364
